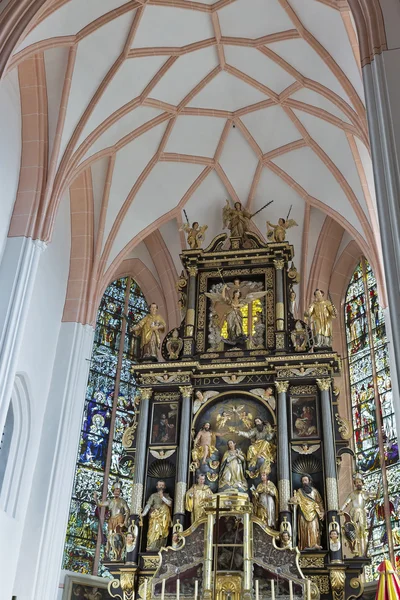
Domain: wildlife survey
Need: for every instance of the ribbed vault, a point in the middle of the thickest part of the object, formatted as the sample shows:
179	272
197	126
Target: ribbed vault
167	105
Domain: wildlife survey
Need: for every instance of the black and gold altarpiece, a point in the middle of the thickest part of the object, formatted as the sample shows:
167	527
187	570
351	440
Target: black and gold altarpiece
221	380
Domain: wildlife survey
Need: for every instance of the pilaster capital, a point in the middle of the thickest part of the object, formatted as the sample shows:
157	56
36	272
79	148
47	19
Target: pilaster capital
279	264
282	386
186	391
146	393
40	245
192	271
324	384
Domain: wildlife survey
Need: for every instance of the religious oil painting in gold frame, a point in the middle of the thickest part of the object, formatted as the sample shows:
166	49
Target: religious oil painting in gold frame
85	587
164	420
304	417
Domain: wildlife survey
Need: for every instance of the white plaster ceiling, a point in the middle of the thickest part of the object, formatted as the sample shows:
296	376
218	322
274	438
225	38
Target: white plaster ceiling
192	102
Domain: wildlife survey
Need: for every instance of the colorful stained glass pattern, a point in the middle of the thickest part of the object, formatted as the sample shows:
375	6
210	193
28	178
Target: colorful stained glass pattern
100	434
362	289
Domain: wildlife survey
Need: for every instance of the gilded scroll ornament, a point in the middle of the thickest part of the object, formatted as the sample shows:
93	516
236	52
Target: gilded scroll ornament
345	429
321	582
282	386
338	580
324	384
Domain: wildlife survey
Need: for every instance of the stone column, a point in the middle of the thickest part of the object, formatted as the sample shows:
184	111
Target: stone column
283	453
188	345
140	458
183	454
279	305
18	269
332	502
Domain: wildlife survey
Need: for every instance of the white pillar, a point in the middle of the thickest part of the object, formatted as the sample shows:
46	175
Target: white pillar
18	270
47	514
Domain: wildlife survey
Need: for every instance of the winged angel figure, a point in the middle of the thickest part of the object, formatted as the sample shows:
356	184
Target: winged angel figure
277	233
226	307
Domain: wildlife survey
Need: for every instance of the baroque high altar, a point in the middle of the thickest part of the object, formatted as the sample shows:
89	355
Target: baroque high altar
237	437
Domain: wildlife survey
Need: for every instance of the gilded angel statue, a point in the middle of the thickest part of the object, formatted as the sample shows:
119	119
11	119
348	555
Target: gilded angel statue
228	308
195	234
277	233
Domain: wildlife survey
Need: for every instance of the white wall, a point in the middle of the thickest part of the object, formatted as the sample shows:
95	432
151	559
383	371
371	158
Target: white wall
10	150
35	362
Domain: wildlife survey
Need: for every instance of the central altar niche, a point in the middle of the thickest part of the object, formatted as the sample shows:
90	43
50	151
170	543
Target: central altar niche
236	315
234	441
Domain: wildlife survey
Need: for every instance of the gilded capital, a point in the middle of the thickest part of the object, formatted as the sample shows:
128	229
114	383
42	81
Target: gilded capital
192	271
282	386
186	391
279	264
324	384
146	393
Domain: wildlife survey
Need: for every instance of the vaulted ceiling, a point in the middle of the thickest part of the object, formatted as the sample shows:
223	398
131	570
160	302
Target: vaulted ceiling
178	104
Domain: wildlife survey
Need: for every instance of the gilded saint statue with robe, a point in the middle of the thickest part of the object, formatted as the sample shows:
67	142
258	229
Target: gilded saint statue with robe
310	513
262	451
355	511
196	496
320	315
237	220
159	509
149	328
265	501
233	469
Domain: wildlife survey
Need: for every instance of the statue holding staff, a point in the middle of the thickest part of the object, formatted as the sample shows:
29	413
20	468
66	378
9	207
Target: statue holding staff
149	329
355	512
159	509
320	314
311	512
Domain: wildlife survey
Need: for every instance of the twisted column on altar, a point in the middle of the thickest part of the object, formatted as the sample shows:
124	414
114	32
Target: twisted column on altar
279	305
190	319
331	485
183	454
140	459
283	453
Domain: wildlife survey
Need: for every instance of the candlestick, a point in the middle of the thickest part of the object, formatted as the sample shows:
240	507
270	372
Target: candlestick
145	589
257	590
177	589
272	589
196	589
163	589
290	590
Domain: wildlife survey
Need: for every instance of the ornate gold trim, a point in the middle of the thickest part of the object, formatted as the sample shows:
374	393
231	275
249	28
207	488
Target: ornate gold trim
282	386
324	384
345	428
146	393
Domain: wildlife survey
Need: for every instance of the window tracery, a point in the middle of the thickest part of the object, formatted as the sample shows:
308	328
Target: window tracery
361	354
108	410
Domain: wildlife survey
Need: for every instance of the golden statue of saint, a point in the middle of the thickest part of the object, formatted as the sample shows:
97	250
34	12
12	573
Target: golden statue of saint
321	313
262	448
355	511
233	468
236	219
265	501
149	329
195	234
117	523
159	508
311	512
195	497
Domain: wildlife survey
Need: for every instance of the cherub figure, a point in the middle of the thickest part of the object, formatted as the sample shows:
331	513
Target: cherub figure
222	419
195	234
277	233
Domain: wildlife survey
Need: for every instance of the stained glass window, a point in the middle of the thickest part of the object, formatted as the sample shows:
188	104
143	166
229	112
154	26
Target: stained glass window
362	355
108	409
